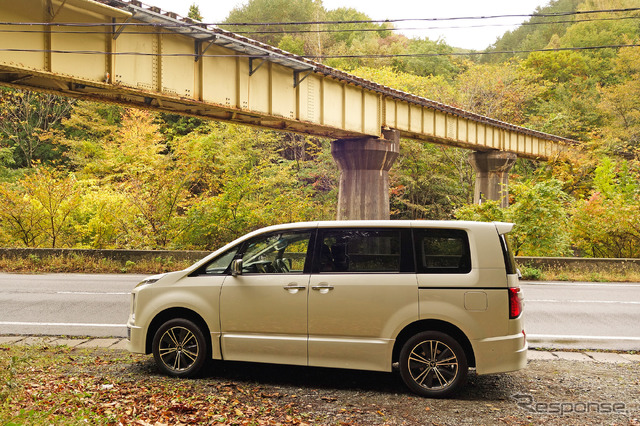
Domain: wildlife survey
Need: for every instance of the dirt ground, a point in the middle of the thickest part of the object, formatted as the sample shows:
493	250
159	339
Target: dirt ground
127	389
547	392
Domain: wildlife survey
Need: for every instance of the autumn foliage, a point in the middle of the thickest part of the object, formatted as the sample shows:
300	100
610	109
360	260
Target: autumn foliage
86	175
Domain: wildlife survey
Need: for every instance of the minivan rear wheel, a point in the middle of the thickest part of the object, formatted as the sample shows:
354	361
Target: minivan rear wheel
179	348
433	364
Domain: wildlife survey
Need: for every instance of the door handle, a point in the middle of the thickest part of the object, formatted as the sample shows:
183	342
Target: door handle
293	287
322	288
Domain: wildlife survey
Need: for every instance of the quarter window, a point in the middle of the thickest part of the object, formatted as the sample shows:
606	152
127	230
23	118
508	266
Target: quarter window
443	251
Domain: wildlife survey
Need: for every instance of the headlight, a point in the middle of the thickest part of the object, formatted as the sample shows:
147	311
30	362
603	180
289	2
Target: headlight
150	280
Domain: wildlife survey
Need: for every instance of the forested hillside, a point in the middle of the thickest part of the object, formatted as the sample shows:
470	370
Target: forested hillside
87	175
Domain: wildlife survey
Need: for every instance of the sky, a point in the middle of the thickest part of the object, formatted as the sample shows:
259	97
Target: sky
215	11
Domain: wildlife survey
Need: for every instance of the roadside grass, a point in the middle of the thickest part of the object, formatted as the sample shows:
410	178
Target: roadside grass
87	264
597	273
75	263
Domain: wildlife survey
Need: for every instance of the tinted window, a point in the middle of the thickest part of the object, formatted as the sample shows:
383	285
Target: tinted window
277	253
360	250
509	260
443	251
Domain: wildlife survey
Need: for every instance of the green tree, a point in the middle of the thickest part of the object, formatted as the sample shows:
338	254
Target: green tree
429	181
104	218
20	217
276	12
38	209
435	88
621	105
26	122
428	59
536	33
539	214
541	219
607	227
254	178
194	13
487	211
57	195
504	92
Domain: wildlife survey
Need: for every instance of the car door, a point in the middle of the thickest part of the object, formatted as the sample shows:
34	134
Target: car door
263	310
362	292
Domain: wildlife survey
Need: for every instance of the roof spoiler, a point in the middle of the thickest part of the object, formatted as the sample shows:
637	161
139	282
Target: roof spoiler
503	228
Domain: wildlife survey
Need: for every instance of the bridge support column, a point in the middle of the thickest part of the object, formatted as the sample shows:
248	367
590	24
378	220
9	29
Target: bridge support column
364	175
492	175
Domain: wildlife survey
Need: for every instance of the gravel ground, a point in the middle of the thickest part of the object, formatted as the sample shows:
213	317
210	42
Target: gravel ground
554	392
546	392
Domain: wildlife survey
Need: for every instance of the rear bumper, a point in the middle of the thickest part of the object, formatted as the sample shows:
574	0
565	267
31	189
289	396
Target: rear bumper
500	354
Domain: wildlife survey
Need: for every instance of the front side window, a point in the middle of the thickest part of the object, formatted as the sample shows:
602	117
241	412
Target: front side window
360	251
220	264
443	251
276	253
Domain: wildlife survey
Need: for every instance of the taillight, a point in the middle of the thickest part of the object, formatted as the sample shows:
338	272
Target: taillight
515	303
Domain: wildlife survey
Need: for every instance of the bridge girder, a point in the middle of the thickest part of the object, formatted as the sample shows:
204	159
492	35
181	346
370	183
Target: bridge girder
119	52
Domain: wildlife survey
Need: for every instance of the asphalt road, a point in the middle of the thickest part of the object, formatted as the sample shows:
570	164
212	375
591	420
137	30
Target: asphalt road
582	315
558	315
66	304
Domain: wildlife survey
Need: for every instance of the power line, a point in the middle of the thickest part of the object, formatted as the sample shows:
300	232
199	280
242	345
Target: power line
200	24
508	52
364	56
300	31
355	30
382	21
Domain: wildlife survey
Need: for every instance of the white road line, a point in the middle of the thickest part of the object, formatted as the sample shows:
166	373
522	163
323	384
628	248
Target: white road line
60	324
577	337
578	284
92	293
581	301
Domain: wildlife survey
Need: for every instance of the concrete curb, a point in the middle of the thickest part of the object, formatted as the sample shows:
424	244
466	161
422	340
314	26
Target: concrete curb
121	344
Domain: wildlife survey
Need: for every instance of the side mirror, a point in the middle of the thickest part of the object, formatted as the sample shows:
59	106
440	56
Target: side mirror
236	267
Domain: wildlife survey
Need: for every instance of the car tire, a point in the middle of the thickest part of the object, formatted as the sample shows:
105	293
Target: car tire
433	364
179	348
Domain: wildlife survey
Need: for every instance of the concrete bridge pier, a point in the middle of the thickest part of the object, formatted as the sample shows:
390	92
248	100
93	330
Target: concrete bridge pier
492	175
364	165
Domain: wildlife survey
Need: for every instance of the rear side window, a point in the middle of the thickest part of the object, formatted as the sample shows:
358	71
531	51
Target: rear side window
360	250
442	251
509	260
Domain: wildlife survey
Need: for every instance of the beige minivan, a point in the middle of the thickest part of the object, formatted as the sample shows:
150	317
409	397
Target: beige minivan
431	298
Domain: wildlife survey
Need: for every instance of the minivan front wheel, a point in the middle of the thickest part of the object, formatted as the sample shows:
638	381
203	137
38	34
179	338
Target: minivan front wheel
179	348
433	364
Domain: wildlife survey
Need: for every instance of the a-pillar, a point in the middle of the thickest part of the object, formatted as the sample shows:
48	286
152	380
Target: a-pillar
364	175
492	175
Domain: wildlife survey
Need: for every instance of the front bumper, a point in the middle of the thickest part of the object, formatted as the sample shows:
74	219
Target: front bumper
136	336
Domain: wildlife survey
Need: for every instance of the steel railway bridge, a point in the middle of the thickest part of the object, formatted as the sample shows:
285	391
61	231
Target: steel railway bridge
128	53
